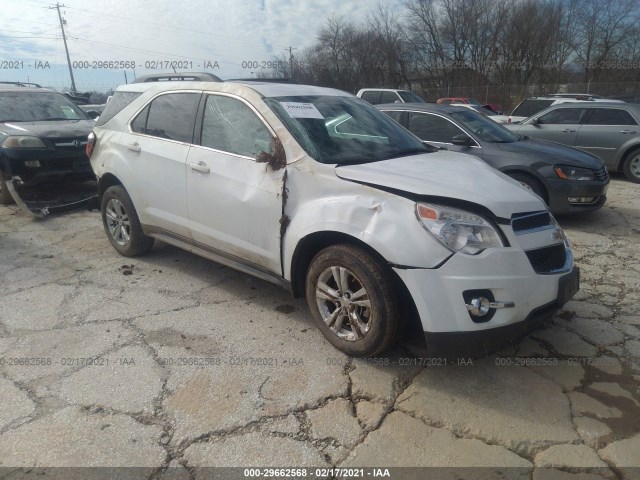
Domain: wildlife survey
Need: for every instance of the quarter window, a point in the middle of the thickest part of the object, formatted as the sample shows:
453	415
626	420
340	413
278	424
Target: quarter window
169	116
610	116
231	126
432	128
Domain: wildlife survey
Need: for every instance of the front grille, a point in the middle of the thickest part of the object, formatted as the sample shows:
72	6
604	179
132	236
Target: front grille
602	174
530	221
547	259
67	143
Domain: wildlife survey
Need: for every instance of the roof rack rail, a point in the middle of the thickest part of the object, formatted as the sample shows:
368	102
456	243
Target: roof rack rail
178	76
22	84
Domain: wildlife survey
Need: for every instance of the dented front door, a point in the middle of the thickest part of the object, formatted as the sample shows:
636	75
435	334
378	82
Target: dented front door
234	201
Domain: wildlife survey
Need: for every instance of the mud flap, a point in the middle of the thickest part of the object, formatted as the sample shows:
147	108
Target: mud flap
48	199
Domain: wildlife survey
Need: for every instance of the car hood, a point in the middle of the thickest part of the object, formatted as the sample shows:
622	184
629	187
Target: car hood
61	128
553	153
447	174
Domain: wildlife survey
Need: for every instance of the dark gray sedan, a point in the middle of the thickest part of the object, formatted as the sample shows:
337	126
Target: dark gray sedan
569	180
610	131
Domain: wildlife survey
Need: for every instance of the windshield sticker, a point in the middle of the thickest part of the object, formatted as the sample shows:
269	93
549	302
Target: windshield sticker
301	110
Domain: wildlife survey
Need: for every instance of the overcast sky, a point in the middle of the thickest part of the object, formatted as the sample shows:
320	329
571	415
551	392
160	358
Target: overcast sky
235	34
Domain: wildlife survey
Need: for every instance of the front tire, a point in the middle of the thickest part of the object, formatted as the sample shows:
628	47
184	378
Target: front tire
121	223
632	166
353	300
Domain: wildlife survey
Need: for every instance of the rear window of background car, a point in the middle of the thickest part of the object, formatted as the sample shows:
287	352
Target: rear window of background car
371	97
610	116
389	97
169	116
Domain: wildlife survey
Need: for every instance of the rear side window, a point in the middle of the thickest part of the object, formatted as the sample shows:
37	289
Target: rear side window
389	97
118	101
610	116
562	116
371	97
169	116
531	107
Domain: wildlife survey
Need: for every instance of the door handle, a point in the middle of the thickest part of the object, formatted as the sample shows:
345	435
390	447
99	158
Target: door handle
200	167
568	130
134	147
627	131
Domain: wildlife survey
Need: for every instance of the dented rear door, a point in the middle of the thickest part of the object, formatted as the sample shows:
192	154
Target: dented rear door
235	202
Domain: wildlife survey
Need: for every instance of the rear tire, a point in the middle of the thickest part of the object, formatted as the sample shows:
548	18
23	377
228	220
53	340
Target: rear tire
121	223
353	300
531	183
5	196
631	166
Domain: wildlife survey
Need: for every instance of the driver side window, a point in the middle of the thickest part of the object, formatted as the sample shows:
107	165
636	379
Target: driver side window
229	125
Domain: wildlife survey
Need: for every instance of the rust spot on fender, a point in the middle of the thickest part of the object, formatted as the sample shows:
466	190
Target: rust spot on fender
277	159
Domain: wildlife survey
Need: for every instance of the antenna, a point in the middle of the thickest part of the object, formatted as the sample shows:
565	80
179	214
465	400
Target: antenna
66	49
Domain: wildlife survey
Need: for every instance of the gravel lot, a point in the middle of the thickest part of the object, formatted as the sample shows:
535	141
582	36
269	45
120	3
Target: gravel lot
170	360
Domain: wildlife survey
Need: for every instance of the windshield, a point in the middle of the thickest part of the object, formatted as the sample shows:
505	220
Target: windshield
38	106
410	97
485	129
334	129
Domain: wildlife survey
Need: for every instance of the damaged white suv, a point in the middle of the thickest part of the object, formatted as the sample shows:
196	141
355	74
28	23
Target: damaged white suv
317	190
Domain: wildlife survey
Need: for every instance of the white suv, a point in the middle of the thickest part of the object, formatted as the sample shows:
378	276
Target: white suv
316	190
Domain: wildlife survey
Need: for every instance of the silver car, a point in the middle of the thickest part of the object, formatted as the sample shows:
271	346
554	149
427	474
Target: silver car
610	131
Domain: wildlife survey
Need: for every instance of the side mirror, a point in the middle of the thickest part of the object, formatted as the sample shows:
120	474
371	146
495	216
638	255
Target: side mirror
93	114
535	121
462	140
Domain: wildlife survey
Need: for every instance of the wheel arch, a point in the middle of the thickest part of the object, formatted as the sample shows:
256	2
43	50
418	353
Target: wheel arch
107	180
309	246
625	154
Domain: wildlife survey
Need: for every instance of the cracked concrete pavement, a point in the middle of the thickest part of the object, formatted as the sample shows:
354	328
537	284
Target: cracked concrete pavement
170	360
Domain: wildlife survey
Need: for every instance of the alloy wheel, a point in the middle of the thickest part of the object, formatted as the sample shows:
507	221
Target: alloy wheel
118	222
344	303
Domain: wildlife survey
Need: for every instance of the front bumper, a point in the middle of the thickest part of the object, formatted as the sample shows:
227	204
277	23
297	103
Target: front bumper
560	191
507	273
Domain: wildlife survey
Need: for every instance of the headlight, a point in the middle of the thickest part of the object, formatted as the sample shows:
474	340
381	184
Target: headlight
458	230
574	173
23	141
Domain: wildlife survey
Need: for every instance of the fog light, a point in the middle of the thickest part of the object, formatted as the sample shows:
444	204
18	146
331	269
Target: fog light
482	305
32	163
479	306
581	199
